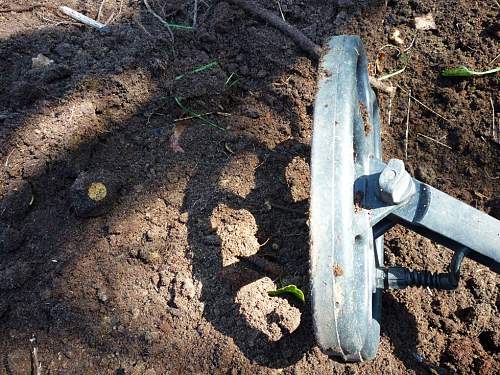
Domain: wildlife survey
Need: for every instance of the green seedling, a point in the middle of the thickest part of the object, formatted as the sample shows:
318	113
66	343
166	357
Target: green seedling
231	81
199	116
289	289
179	27
199	69
463	71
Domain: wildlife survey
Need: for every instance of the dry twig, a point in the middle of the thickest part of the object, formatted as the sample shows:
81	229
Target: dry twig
100	10
162	21
36	366
381	86
281	10
434	140
407	125
195	13
423	104
494	126
296	35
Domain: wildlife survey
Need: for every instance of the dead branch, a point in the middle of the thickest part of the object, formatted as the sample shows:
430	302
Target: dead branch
162	21
296	35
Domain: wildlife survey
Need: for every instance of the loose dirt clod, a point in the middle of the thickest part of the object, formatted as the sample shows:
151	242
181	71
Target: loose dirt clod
297	177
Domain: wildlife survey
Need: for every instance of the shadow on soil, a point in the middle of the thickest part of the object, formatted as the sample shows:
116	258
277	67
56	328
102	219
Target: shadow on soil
30	299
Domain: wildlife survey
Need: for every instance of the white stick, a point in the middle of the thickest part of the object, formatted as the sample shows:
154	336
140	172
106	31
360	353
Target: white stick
100	10
162	21
434	140
195	13
389	112
83	19
381	86
494	128
407	126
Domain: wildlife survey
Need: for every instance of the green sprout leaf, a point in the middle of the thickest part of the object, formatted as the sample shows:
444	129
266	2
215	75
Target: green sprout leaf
199	69
463	71
199	116
291	289
178	26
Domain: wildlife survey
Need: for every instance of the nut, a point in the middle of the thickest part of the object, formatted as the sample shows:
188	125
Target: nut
395	183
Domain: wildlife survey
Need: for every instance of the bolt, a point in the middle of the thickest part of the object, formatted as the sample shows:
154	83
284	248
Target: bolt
395	183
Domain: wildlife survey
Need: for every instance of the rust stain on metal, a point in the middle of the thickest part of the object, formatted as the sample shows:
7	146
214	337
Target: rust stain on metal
337	270
366	118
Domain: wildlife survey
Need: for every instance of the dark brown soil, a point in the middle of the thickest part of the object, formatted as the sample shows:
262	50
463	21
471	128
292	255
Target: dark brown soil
172	279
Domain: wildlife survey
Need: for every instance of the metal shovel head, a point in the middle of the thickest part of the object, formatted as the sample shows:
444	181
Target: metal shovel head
346	303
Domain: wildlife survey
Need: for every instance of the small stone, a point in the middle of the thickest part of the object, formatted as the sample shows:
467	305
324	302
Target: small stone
183	218
101	295
395	37
267	205
425	22
188	289
40	61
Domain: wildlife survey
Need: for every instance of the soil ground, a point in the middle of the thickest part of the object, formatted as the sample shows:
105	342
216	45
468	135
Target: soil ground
172	279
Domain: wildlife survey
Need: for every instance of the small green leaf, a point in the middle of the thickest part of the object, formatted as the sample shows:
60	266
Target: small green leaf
198	69
457	72
463	71
292	289
202	118
178	26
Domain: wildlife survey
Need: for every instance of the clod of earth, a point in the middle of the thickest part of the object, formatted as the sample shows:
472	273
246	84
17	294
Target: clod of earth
92	194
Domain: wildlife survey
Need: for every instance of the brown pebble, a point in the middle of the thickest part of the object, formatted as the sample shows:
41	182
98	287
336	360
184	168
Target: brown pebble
184	217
